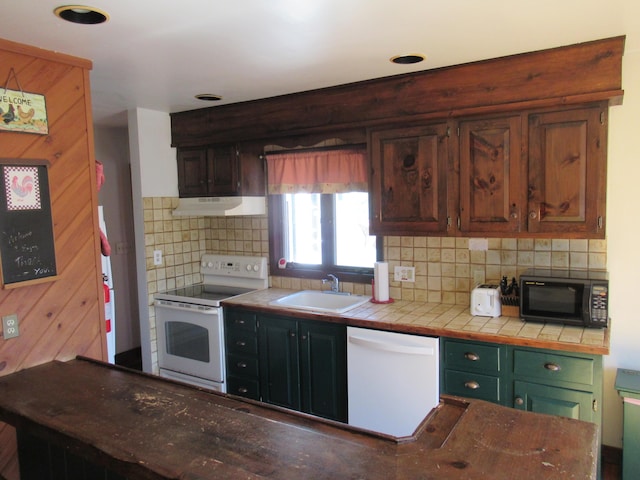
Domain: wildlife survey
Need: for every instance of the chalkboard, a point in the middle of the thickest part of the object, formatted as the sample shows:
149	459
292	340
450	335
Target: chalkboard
27	249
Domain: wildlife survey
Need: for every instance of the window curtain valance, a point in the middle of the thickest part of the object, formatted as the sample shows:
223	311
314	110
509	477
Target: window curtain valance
318	171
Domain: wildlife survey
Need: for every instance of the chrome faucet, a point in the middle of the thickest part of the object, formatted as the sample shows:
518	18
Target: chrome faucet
335	283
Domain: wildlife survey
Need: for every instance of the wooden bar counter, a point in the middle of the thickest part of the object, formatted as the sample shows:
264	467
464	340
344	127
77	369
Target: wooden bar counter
141	426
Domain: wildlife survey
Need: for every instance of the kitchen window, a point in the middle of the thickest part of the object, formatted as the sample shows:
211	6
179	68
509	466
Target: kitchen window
319	215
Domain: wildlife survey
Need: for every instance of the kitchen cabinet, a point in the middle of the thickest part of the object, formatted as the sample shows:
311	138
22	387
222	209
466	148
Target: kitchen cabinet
409	179
474	370
241	340
567	384
289	362
534	172
208	171
490	156
303	365
567	171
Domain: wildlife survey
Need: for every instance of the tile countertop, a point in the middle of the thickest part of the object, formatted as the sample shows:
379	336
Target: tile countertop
441	320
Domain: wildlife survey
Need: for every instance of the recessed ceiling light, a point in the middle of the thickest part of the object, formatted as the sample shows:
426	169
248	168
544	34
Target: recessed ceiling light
81	14
208	97
408	59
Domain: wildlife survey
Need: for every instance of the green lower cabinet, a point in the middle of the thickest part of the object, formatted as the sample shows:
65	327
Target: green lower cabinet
303	365
554	401
279	361
555	382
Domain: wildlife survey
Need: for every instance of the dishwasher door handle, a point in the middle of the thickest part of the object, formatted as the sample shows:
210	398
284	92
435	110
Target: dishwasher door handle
391	347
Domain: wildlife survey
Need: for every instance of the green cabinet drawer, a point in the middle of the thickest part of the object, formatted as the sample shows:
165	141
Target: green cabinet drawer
242	341
472	384
243	387
474	356
242	366
563	402
553	368
238	320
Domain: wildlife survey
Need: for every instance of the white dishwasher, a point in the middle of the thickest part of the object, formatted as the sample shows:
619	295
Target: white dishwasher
393	380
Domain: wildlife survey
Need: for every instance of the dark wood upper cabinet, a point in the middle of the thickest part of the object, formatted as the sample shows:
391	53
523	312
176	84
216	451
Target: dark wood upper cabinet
220	170
490	175
567	171
207	171
408	179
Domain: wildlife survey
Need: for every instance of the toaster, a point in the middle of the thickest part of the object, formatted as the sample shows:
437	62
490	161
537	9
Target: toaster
485	301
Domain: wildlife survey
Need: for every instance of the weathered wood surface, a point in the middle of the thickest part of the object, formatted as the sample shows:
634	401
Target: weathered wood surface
580	73
147	427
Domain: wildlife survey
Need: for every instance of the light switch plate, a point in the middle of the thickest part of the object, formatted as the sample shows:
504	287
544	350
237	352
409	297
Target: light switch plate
404	274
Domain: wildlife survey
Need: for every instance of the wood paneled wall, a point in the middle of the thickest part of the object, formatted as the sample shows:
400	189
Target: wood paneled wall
63	318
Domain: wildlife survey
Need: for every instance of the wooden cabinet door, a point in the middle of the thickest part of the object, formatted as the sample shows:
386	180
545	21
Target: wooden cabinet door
554	401
490	158
223	170
567	172
192	172
408	180
323	370
207	171
279	364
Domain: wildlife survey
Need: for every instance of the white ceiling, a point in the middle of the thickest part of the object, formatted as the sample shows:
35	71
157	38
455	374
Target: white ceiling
157	54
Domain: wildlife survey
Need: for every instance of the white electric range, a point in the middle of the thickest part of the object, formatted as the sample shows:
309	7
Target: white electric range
190	323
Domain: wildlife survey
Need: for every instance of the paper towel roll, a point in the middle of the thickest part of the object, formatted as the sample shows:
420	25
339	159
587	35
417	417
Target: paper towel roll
381	279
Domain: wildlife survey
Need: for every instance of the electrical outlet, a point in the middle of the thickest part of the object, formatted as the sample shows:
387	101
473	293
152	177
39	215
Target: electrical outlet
10	328
404	274
157	257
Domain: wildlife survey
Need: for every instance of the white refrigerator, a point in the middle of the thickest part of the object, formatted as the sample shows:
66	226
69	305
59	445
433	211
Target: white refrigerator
109	299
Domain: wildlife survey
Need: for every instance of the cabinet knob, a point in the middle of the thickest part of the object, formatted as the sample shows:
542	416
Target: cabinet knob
292	334
242	364
241	343
239	321
533	215
474	357
243	390
552	366
472	385
519	401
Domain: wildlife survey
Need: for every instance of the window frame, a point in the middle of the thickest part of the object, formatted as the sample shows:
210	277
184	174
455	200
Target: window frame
311	271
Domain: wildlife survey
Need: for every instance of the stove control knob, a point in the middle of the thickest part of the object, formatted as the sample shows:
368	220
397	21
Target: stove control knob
203	264
256	267
210	264
248	267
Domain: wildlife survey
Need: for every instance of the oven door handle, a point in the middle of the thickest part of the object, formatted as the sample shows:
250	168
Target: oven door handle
180	308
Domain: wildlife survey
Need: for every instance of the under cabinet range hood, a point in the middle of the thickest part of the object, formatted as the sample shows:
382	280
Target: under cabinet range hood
220	206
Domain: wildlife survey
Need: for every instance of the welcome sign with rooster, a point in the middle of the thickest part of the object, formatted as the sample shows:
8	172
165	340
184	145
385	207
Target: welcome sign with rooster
23	112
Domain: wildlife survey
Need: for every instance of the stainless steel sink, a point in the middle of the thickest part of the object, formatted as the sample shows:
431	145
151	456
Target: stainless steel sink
321	301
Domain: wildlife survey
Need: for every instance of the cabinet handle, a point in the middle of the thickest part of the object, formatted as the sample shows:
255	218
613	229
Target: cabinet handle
474	357
473	385
241	343
239	321
242	364
519	401
243	390
552	366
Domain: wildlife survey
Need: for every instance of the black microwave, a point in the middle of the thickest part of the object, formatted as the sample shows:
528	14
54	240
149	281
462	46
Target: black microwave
567	297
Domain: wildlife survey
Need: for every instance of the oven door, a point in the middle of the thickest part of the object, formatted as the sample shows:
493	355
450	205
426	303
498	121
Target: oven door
190	341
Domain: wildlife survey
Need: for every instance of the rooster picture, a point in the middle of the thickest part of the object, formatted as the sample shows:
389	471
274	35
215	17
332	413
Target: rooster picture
24	189
9	116
25	117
